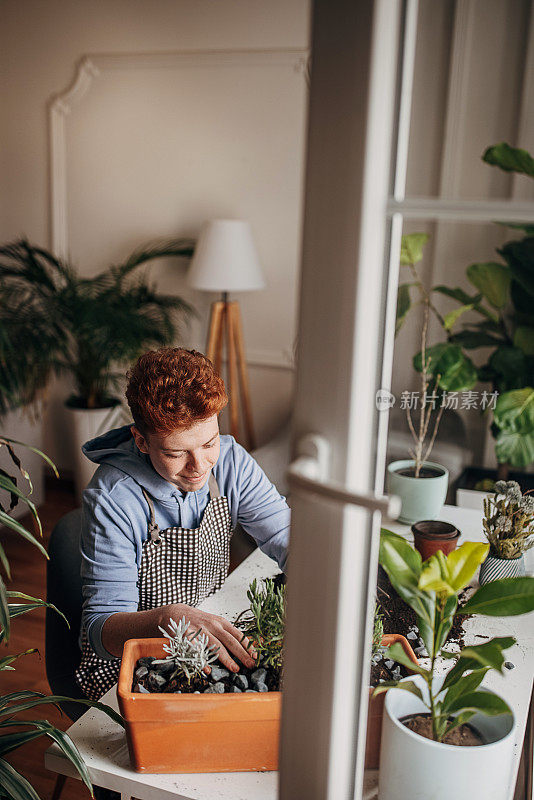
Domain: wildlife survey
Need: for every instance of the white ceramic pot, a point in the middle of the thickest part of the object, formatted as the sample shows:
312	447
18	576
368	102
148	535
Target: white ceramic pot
415	768
422	498
85	424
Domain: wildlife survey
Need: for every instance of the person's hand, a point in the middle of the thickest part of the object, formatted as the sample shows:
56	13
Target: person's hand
220	633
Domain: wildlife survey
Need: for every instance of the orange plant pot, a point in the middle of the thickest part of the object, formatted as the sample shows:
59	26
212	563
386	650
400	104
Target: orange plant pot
196	732
375	711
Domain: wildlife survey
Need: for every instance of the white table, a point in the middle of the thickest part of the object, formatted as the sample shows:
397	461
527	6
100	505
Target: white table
102	742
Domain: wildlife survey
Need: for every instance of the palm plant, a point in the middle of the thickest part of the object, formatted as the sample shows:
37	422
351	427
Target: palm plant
15	732
86	327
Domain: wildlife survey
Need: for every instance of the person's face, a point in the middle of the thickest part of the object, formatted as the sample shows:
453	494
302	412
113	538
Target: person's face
185	456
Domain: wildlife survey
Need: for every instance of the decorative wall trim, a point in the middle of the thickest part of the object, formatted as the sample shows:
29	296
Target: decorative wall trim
91	67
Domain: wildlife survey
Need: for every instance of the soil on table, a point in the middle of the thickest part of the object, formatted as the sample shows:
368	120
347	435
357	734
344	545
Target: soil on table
464	735
398	617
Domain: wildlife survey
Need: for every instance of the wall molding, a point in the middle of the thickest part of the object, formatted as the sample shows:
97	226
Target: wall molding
91	67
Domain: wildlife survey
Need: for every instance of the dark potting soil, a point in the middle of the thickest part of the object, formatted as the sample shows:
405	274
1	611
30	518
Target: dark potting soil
464	735
424	472
398	617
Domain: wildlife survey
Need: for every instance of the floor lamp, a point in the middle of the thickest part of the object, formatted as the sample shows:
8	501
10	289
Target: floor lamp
225	261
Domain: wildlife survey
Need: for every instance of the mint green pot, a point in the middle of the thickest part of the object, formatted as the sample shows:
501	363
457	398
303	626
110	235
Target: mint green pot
422	498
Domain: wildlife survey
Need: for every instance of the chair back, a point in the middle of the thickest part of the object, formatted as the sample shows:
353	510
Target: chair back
64	590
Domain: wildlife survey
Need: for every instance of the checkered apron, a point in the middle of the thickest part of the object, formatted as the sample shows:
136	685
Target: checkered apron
178	565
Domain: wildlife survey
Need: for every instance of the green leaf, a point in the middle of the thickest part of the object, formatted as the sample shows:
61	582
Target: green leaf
488	655
493	280
510	159
506	597
458	294
15	784
7	485
403	305
9	522
453	316
472	339
412	245
396	652
434	575
54	700
11	741
7	660
462	685
463	562
510	366
485	702
524	339
4	611
516	449
519	254
407	686
527	227
33	450
4	561
456	371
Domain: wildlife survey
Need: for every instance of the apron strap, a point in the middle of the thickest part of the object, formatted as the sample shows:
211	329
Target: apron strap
213	487
153	527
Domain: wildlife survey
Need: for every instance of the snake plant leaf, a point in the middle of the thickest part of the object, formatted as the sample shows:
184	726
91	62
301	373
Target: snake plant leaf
524	339
4	611
15	784
412	245
493	280
4	439
486	702
8	660
506	597
10	741
54	699
509	159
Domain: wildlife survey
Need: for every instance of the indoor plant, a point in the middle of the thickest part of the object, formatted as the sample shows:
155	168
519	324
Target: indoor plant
509	528
16	732
211	731
447	704
421	484
503	327
92	326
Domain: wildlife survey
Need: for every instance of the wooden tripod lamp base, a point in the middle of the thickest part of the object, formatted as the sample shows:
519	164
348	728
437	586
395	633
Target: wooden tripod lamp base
225	324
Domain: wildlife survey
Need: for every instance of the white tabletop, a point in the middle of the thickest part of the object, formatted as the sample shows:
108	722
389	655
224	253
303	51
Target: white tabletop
102	742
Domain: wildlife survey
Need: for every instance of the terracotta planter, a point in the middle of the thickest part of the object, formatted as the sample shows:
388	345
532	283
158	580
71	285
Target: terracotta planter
431	535
196	732
375	711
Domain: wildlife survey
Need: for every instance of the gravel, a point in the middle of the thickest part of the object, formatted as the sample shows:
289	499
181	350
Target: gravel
240	681
258	676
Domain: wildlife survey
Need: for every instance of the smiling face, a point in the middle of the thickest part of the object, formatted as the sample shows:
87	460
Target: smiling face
183	457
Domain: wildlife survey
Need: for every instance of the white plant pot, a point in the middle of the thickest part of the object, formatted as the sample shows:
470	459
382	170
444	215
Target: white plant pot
415	768
24	425
85	424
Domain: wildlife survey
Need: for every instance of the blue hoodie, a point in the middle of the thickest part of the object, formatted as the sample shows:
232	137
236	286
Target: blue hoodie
116	516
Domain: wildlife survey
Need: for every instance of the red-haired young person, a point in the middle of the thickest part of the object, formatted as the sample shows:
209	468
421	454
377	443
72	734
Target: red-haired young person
159	513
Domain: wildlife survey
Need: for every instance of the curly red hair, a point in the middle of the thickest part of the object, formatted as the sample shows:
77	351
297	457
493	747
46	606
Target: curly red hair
172	388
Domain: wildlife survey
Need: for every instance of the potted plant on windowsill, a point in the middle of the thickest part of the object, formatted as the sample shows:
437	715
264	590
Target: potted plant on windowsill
418	758
509	528
94	325
420	483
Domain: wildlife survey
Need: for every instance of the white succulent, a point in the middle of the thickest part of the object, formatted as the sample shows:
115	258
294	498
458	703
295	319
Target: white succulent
191	652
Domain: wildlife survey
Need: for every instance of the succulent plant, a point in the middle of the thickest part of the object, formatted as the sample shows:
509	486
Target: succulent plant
264	622
191	653
509	520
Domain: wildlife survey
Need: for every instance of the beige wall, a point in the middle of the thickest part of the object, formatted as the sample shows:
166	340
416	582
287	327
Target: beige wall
153	152
481	42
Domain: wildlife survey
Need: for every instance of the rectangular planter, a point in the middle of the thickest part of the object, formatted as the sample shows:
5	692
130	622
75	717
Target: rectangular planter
196	732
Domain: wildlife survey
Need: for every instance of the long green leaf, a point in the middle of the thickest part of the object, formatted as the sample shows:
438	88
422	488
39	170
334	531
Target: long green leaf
5	621
55	699
8	486
33	450
4	561
9	522
11	741
463	685
407	686
396	653
15	784
487	655
7	660
506	597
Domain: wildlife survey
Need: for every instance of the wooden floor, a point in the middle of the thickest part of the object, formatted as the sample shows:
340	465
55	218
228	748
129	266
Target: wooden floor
28	568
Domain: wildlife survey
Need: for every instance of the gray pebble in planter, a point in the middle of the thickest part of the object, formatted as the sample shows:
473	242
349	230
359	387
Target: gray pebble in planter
156	680
163	665
216	688
140	672
261	687
240	681
254	691
236	689
218	673
259	676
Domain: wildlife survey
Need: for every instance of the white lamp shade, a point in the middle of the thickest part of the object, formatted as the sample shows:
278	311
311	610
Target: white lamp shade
225	258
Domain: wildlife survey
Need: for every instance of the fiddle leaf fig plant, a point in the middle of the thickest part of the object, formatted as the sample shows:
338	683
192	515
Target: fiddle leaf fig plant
431	589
